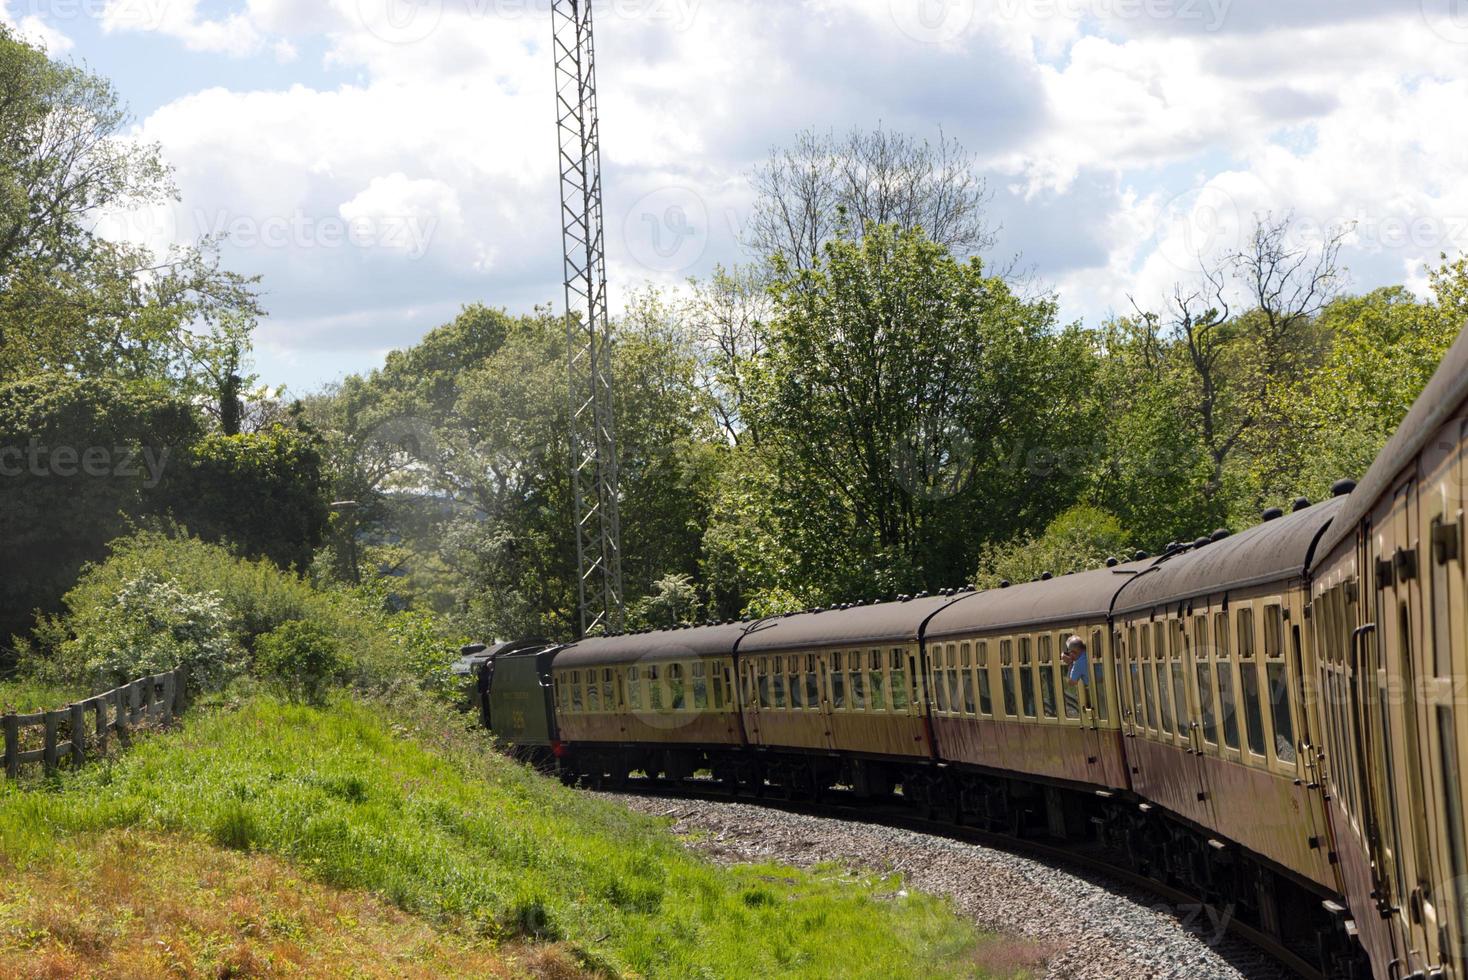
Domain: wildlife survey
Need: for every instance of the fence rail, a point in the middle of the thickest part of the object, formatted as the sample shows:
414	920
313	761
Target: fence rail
90	724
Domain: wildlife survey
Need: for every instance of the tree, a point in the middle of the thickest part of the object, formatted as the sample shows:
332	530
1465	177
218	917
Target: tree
78	460
673	602
70	299
262	493
913	408
1082	538
728	315
824	185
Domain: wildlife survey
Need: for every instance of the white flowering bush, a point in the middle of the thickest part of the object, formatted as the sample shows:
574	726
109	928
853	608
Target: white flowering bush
152	626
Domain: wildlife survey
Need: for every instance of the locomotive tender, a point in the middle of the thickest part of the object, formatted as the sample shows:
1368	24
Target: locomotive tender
1274	720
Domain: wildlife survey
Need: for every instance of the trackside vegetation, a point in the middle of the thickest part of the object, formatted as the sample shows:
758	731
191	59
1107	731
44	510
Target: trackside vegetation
400	799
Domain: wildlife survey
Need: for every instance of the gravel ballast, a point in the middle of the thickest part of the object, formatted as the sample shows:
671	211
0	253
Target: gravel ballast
1090	926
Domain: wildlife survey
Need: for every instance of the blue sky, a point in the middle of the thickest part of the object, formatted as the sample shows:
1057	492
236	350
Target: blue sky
382	162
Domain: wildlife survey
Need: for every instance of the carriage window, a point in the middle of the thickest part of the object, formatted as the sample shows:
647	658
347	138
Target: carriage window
939	688
969	705
1180	696
1205	702
1047	676
1246	633
1026	677
1227	704
593	693
717	678
858	687
812	682
634	688
838	686
700	687
1098	674
1164	700
876	690
1149	696
1253	710
576	692
608	690
1279	698
764	684
1139	648
986	696
1453	812
955	691
898	677
1273	632
1006	676
676	694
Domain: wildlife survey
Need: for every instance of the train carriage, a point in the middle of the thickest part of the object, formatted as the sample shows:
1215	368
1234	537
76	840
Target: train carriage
1003	699
662	703
1215	661
1388	604
851	681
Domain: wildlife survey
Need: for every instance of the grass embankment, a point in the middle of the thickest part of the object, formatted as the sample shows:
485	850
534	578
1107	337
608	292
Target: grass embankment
404	806
27	696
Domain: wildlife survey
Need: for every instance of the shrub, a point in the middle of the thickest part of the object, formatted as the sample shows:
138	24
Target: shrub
152	626
302	656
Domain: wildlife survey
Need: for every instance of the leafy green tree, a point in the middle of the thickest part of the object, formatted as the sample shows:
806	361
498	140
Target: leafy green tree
70	299
673	602
913	408
1082	538
263	493
304	657
78	460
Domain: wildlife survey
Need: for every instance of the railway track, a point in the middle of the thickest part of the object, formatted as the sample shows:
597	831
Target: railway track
1087	858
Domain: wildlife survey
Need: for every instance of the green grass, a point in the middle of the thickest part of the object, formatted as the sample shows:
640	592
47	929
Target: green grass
26	696
409	804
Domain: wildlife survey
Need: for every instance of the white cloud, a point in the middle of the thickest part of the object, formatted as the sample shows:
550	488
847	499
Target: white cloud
34	29
1121	143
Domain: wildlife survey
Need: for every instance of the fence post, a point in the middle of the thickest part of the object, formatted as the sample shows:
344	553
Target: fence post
11	725
78	735
169	680
181	690
134	695
122	697
48	750
99	706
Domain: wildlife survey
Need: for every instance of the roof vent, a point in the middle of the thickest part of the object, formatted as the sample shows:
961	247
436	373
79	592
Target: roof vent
1046	576
1140	556
1112	562
1171	547
1301	503
1341	488
1272	514
1221	533
1005	584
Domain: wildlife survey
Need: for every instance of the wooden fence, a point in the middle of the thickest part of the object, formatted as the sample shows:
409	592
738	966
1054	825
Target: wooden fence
89	724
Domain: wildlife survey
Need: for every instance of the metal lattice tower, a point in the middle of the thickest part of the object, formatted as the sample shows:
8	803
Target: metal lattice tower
588	327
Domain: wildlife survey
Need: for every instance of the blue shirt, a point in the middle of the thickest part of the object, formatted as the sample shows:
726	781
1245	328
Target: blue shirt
1080	670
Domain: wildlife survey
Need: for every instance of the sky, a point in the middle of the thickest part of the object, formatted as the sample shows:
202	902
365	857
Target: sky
381	163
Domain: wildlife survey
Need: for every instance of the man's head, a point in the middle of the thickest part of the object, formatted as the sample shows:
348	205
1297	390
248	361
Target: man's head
1075	645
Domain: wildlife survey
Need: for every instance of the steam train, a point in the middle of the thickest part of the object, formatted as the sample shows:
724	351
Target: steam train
1274	720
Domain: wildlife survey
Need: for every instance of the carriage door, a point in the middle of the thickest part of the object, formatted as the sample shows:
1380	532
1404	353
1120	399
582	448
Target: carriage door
1398	565
1183	673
